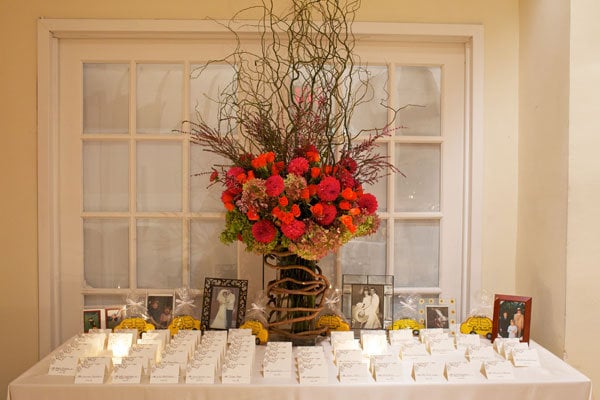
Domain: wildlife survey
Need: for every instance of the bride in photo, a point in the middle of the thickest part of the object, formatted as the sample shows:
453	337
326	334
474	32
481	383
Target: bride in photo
226	300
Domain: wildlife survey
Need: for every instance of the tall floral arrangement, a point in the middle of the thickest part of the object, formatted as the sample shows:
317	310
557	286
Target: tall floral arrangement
296	173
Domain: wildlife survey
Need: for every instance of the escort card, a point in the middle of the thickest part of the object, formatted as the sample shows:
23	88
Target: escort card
465	341
374	344
313	372
500	370
234	373
481	353
441	345
348	355
461	371
199	372
234	332
413	351
354	372
341	336
129	371
176	354
64	364
149	351
165	372
428	371
91	370
119	343
525	357
400	336
388	372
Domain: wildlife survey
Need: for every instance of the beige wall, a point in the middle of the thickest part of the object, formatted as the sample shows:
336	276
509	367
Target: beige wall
583	250
543	165
18	131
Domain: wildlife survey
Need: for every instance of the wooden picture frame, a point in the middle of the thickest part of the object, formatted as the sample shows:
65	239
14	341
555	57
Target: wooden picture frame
224	303
509	312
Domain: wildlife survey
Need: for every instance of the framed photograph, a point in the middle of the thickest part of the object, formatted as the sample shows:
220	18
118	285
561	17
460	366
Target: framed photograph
512	315
92	319
437	313
113	316
367	300
224	303
160	310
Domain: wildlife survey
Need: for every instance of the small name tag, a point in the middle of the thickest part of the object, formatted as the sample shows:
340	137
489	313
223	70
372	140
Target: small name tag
461	371
499	370
165	372
428	371
525	357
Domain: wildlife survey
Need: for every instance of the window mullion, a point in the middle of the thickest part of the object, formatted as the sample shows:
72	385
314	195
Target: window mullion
132	177
185	186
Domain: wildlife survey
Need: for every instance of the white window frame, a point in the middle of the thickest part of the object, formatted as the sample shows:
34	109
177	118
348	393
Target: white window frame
51	31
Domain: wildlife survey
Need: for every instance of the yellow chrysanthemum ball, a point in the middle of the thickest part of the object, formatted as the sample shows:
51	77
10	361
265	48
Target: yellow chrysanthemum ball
184	322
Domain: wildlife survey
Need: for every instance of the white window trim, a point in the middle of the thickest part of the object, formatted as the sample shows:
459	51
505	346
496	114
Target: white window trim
50	31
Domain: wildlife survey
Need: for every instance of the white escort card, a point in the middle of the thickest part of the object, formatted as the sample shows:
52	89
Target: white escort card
374	344
341	336
92	369
508	348
129	371
165	372
354	372
525	357
96	341
441	345
313	372
388	371
277	361
462	371
120	343
64	364
413	351
464	341
176	354
236	373
399	336
348	355
500	370
235	332
200	372
481	353
428	371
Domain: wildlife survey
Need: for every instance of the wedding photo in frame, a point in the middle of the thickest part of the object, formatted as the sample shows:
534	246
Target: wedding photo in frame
435	313
512	317
224	303
367	300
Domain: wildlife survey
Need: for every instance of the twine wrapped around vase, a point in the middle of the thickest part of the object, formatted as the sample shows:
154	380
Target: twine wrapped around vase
296	297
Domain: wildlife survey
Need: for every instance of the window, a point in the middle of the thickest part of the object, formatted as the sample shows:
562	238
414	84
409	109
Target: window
124	209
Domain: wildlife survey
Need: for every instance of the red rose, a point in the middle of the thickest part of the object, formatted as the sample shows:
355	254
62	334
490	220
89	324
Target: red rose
329	189
368	202
293	230
274	185
264	231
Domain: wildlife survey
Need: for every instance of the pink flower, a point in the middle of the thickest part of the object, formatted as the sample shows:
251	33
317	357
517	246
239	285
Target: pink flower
327	216
293	230
264	231
368	202
298	166
329	189
274	185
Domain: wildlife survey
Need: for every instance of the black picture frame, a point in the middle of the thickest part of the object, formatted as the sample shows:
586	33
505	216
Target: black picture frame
507	308
224	303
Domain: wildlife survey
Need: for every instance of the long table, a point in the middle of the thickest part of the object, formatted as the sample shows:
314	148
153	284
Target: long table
554	380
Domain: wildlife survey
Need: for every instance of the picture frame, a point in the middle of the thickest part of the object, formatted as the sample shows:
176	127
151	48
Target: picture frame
367	301
224	303
160	310
92	319
512	317
113	316
435	313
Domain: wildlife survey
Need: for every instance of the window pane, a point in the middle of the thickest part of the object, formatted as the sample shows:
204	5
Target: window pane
370	114
209	257
419	190
202	197
366	255
159	253
379	189
416	253
159	176
159	98
106	253
106	98
417	90
105	176
207	83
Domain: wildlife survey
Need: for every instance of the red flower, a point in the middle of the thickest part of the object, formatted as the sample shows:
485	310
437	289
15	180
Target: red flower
227	196
261	160
293	230
264	231
283	201
368	202
214	175
329	189
298	166
313	156
346	179
295	210
354	211
348	194
347	221
345	205
328	214
315	172
317	210
274	185
252	215
305	194
349	164
312	190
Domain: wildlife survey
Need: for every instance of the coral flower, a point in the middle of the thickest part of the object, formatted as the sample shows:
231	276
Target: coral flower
295	210
348	194
315	172
347	221
317	210
264	231
252	215
305	194
344	205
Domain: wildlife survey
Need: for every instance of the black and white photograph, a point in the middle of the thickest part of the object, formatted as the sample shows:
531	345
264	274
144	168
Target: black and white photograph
437	317
367	306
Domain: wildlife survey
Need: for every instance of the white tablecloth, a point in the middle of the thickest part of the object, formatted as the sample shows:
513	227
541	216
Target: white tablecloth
554	380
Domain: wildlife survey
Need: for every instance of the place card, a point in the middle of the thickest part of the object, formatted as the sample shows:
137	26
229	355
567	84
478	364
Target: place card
96	341
234	373
341	336
498	370
63	364
464	341
481	353
346	345
428	371
129	371
165	372
461	371
354	372
199	372
348	355
525	357
313	372
91	370
119	343
388	371
235	332
400	336
375	344
441	346
413	352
